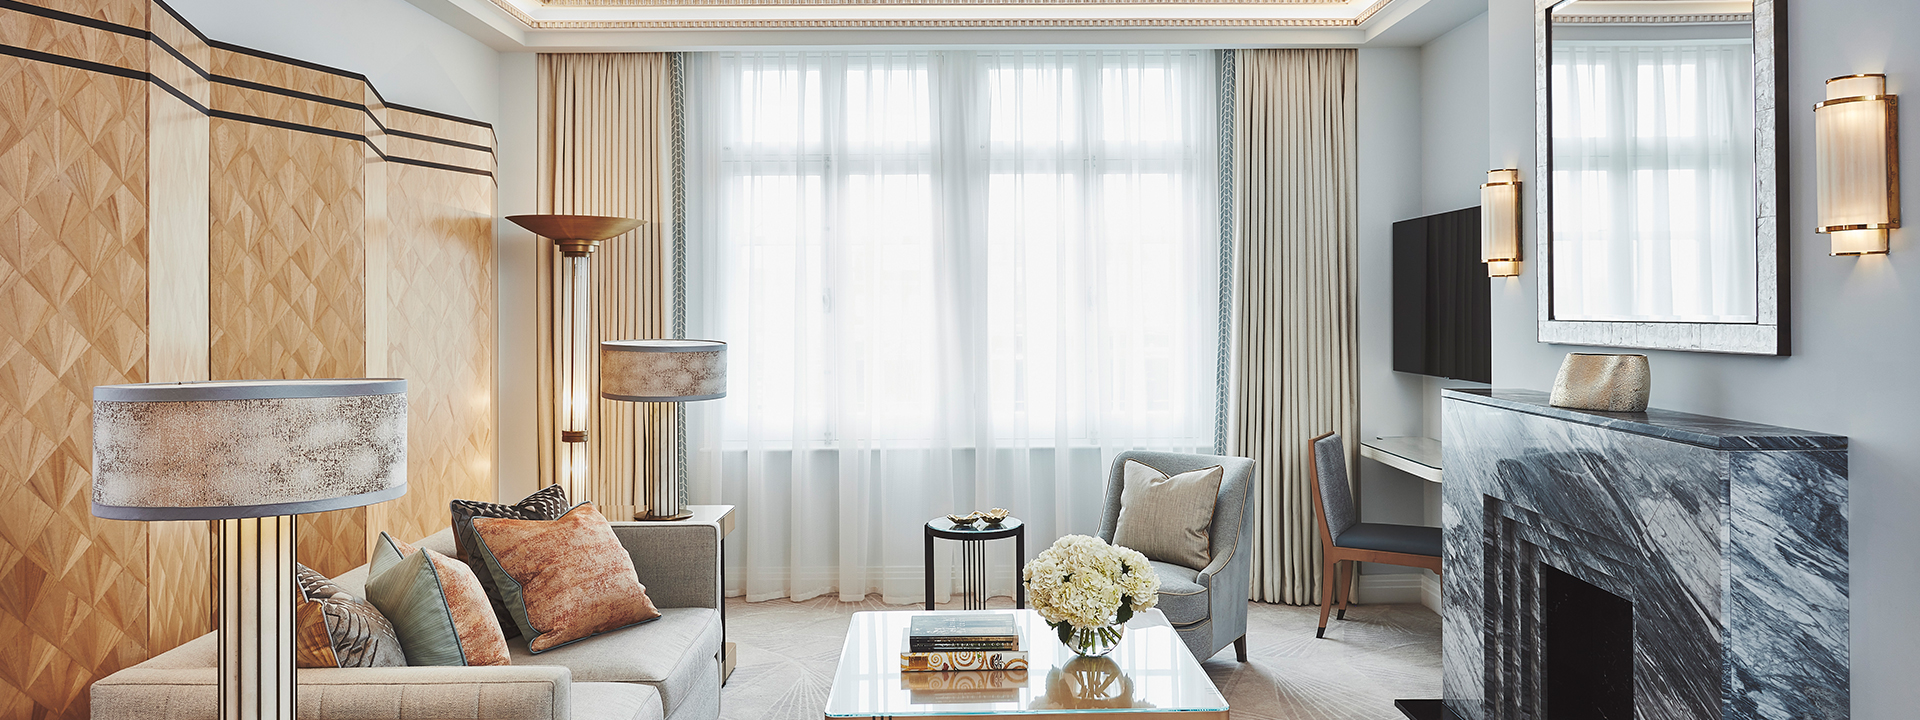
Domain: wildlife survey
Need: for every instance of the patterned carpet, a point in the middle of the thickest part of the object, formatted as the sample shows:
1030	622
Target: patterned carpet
788	651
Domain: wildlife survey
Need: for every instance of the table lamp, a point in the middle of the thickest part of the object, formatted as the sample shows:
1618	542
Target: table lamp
663	371
249	454
575	237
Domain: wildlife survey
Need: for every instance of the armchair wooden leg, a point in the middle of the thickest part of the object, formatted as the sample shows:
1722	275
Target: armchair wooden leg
1353	567
1327	582
1240	649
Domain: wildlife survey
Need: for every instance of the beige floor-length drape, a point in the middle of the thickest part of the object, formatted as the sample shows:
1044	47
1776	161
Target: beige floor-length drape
1295	349
605	129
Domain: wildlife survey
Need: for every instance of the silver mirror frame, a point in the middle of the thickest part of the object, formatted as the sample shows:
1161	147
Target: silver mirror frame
1768	336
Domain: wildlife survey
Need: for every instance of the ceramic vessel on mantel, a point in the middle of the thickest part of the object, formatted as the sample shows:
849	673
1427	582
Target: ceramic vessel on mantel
1597	381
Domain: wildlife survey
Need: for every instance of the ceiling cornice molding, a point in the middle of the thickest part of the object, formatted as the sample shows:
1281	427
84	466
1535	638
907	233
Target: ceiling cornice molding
1704	19
1119	21
616	4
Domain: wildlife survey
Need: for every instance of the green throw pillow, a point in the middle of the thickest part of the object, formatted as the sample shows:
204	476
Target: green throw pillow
435	603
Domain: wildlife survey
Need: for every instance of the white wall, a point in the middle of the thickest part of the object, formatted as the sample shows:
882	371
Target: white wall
1854	321
1389	190
409	56
518	251
1453	152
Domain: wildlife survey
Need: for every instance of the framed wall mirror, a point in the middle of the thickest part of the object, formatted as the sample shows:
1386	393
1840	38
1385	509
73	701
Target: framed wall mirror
1659	188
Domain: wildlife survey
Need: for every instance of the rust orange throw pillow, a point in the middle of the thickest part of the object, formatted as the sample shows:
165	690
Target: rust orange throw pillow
563	580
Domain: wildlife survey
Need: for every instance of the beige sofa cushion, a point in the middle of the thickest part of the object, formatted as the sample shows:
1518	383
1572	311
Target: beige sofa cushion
673	654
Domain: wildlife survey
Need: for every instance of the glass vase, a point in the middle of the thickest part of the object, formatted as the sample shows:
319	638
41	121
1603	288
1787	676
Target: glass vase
1094	642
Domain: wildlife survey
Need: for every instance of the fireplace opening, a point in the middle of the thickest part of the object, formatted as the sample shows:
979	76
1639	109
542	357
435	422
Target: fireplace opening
1588	634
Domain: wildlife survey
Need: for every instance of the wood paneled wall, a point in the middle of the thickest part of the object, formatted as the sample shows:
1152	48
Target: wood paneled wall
174	208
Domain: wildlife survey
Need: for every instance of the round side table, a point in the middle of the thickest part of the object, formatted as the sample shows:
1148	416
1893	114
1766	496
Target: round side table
973	557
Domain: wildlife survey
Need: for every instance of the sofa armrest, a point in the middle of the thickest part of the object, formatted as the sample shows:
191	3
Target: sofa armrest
526	692
679	562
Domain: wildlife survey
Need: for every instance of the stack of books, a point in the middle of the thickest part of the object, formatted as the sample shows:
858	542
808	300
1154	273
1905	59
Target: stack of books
963	641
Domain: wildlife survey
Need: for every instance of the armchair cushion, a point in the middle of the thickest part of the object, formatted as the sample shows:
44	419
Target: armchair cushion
1167	517
1183	594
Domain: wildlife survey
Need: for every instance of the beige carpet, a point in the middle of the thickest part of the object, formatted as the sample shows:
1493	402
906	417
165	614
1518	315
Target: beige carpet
788	651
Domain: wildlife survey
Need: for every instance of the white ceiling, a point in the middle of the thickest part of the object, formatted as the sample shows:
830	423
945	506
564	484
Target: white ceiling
657	25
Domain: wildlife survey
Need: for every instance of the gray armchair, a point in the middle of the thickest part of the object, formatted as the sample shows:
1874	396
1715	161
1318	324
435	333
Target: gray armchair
1208	606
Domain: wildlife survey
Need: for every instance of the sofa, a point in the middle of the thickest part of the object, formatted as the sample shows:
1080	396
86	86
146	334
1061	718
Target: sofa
665	669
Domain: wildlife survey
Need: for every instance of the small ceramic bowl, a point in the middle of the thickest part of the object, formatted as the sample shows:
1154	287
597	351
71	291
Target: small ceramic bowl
994	516
967	519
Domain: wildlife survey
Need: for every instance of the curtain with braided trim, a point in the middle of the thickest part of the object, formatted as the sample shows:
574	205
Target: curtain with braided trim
605	129
1296	345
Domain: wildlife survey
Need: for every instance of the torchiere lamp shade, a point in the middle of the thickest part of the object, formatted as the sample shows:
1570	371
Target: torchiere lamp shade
241	449
663	370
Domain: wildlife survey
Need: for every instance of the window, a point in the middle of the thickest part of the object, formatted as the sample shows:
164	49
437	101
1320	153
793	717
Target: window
948	279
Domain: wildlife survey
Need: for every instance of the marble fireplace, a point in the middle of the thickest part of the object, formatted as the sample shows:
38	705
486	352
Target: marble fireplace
1639	565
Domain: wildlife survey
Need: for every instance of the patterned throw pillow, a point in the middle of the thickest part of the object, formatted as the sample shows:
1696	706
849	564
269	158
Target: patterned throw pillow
436	606
547	504
564	580
335	629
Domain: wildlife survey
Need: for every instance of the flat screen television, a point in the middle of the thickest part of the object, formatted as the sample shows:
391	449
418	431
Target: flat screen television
1442	312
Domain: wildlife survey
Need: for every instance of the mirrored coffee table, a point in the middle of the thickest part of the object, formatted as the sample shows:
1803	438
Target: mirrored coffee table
1151	673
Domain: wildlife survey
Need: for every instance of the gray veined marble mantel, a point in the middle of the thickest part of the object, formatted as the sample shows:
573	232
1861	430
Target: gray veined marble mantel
1729	539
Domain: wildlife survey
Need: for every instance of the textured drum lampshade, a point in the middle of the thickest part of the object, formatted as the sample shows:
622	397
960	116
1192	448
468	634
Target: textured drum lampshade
663	371
249	454
1857	150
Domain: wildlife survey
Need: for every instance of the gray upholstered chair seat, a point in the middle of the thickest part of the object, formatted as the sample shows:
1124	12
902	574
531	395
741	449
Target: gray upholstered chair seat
1207	621
1183	599
1414	539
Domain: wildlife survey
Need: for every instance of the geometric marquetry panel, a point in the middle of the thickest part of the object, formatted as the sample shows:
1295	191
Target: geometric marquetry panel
288	218
441	327
287	254
288	279
73	594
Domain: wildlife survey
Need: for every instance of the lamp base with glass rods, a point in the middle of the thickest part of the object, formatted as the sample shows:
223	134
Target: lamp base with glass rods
254	561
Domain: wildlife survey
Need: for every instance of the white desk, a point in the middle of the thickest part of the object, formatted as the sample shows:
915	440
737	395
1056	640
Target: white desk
1417	456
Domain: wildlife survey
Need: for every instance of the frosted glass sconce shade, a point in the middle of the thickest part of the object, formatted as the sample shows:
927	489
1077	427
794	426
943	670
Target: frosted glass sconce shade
1500	223
220	450
1857	148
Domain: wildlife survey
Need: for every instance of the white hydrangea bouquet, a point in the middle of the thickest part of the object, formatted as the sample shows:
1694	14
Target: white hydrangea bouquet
1087	590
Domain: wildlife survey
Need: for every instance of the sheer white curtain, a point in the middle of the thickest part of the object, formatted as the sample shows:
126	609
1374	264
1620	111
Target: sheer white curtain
1653	177
950	280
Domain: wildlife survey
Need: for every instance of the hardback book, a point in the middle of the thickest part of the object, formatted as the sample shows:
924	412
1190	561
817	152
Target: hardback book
994	686
911	661
957	632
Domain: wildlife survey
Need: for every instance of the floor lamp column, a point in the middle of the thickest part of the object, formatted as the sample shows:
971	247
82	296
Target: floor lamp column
255	557
575	238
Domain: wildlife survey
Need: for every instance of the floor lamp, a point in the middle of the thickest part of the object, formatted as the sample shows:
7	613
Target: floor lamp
663	371
575	237
249	455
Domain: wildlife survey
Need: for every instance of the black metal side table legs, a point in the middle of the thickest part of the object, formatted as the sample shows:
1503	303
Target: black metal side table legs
973	558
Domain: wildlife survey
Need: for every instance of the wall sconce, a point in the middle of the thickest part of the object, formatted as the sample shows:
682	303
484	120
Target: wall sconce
1858	151
1500	223
575	237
